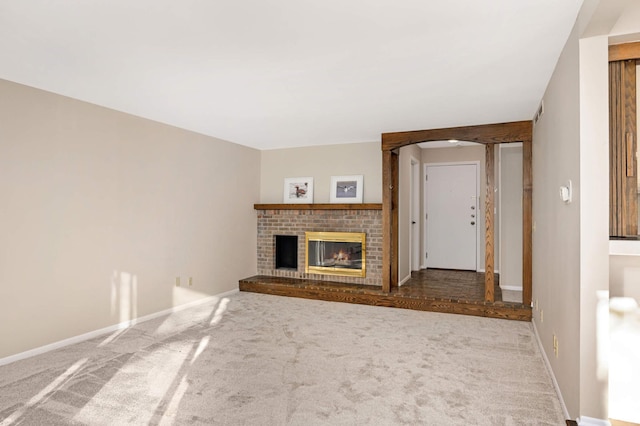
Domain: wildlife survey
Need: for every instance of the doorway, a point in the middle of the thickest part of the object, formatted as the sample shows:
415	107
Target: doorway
510	222
489	135
451	219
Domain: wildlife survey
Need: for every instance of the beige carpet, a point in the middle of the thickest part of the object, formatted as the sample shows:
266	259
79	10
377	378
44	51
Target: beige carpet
253	359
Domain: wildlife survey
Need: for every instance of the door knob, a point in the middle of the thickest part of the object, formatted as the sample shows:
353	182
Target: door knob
413	222
473	223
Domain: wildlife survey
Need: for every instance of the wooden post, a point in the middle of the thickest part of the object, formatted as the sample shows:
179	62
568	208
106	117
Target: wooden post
387	238
395	243
527	225
488	225
390	180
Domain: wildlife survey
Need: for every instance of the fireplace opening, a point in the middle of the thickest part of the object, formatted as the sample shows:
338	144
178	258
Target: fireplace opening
287	252
336	253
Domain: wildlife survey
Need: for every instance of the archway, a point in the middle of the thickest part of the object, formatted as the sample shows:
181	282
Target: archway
489	135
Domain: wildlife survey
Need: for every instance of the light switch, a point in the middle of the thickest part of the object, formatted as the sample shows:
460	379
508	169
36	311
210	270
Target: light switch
566	192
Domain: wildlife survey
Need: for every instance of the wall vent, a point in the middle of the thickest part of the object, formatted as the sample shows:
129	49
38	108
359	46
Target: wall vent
538	113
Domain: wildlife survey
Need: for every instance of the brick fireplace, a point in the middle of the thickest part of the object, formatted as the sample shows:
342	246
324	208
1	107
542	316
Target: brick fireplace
296	219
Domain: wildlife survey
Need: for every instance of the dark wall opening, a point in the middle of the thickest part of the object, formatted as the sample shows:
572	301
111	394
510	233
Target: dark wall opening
286	252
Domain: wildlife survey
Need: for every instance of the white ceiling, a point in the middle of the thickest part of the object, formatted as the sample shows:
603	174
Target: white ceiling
283	73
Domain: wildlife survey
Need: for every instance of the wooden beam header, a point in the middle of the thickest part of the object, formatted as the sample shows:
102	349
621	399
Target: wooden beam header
623	52
516	131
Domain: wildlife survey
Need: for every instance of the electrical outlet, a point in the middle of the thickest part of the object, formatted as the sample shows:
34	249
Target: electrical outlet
541	315
555	345
190	281
537	306
177	281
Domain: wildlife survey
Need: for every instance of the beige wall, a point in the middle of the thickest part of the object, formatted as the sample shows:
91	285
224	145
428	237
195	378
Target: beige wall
594	223
570	241
101	211
322	162
407	153
624	277
510	209
556	239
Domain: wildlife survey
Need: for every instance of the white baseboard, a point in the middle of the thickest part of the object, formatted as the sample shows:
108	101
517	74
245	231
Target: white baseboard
590	421
582	420
482	270
553	377
404	280
95	333
510	287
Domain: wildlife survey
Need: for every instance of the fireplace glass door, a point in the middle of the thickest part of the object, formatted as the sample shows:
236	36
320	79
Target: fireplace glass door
336	253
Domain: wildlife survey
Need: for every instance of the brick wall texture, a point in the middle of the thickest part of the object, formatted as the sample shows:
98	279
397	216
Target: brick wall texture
297	222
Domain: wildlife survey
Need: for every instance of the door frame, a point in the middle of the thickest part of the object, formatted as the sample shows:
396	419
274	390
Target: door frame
478	207
414	204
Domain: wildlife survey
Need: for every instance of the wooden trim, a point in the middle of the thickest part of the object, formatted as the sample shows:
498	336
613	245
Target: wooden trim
382	298
489	279
527	219
615	123
390	178
516	131
622	52
630	154
366	206
621	423
623	179
387	237
395	226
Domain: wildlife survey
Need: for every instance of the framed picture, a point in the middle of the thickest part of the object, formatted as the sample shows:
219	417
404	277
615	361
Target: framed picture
346	189
298	190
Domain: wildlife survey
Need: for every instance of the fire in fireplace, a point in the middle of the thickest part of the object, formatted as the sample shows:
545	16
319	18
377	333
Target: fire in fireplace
335	253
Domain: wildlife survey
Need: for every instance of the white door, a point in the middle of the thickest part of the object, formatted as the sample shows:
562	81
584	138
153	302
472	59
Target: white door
451	216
